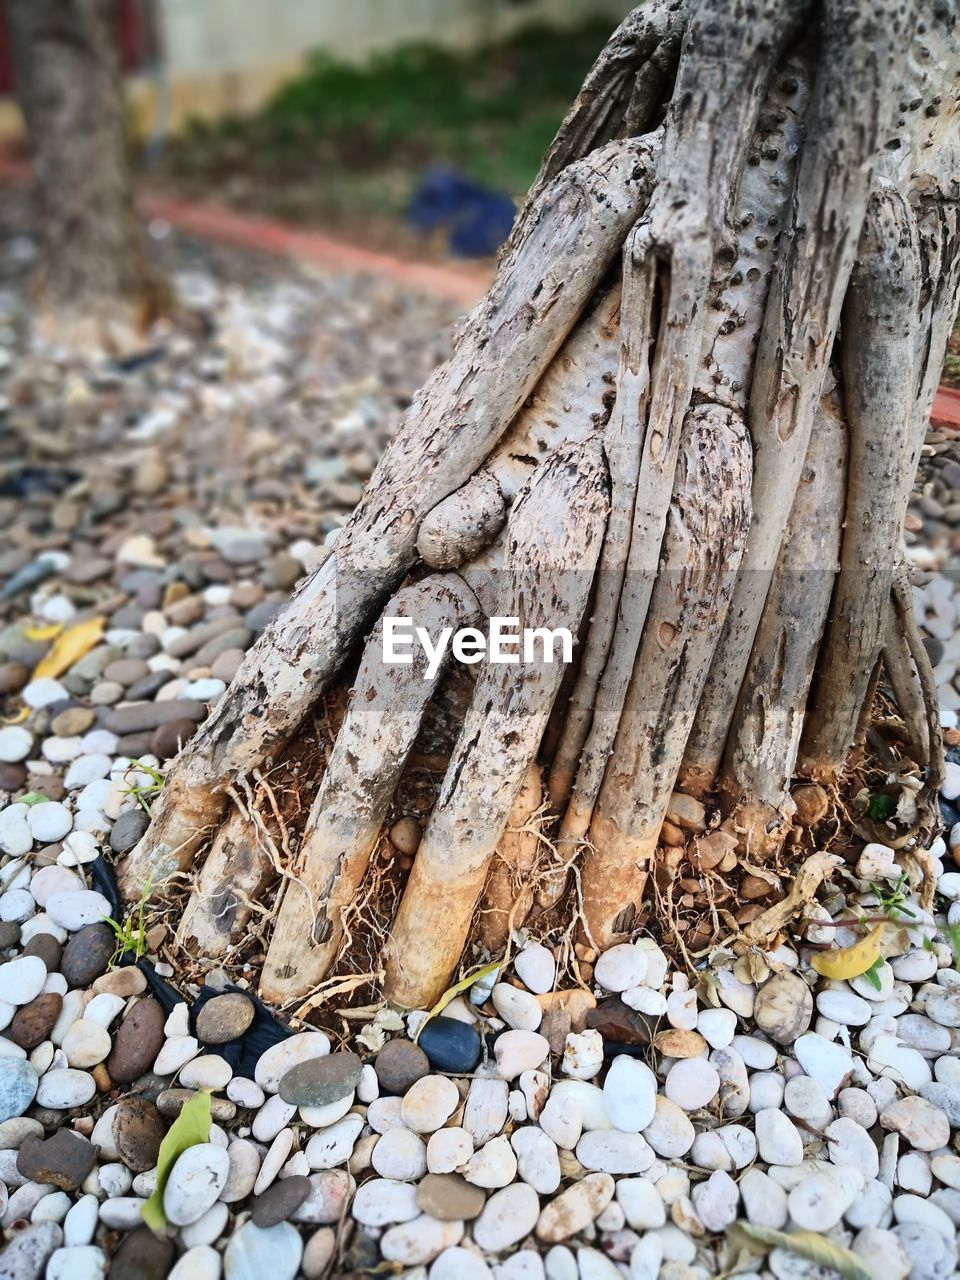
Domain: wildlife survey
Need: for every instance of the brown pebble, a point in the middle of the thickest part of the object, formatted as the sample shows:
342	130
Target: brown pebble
13	777
224	1018
13	676
280	1200
406	835
72	722
101	1078
63	1161
167	740
138	1130
33	1023
137	1041
812	803
46	946
171	1102
449	1197
675	1043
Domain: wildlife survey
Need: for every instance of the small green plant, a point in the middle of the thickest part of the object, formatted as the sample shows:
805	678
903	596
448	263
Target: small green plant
881	807
891	900
872	974
142	791
131	937
952	934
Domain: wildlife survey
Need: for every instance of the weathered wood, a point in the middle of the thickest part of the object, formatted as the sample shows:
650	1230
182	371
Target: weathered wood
880	315
386	708
706	528
460	526
764	739
728	57
553	542
508	893
576	227
853	102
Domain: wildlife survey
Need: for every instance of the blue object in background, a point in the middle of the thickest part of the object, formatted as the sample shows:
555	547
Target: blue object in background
478	219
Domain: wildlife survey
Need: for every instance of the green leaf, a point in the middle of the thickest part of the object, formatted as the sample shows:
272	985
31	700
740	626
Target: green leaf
872	976
809	1245
881	807
191	1127
34	797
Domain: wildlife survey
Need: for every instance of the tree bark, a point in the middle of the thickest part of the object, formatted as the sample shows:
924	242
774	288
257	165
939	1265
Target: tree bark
683	424
68	84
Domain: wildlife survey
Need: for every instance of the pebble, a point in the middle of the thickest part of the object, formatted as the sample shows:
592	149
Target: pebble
48	823
414	1243
22	979
611	1151
818	1202
777	1138
142	1256
74	910
452	1045
400	1154
536	968
827	1063
400	1064
86	1043
692	1084
224	1018
63	1088
202	1262
382	1202
243	1167
195	1182
209	1071
33	1022
448	1149
630	1094
485	1111
923	1125
449	1197
87	954
274	1064
620	967
575	1208
670	1133
64	1160
254	1252
517	1051
280	1201
137	1041
137	1130
783	1008
519	1009
16	743
319	1081
538	1163
334	1146
508	1217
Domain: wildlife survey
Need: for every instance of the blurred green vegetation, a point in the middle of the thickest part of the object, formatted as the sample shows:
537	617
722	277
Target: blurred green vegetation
343	140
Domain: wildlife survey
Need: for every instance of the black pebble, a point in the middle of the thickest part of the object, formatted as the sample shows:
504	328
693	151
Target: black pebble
450	1045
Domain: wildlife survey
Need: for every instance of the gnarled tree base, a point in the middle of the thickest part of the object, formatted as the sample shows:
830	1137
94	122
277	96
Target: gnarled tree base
708	356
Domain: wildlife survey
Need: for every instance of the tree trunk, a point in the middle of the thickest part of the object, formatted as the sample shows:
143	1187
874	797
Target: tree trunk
682	424
68	82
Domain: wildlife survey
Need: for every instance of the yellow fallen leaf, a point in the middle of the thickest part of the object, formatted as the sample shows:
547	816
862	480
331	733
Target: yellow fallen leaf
458	987
811	1245
850	962
69	648
18	718
43	633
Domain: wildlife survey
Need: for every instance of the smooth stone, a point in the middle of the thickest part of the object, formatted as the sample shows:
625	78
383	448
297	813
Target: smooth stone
86	1044
128	829
507	1218
225	1018
138	1129
692	1083
573	1210
202	1262
334	1146
73	911
429	1103
449	1197
451	1045
64	1088
137	1041
630	1094
195	1182
783	1007
764	1201
538	1162
176	1052
54	879
400	1064
818	1202
414	1243
400	1154
280	1201
142	1256
318	1082
209	1071
620	967
33	1022
827	1063
519	1009
611	1151
22	979
923	1125
276	1061
244	1165
844	1007
485	1111
382	1202
519	1051
49	822
536	968
457	1263
26	1255
448	1149
87	954
670	1133
777	1138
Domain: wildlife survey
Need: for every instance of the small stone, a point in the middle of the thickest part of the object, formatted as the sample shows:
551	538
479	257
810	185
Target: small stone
844	1007
63	1088
225	1018
405	836
829	1064
536	968
448	1149
400	1154
485	1112
195	1182
209	1071
244	1166
818	1202
255	1252
142	1256
617	1021
630	1094
583	1055
452	1045
16	743
784	1007
87	954
414	1243
280	1201
334	1146
25	1257
429	1103
670	1132
399	1064
127	830
33	1022
519	1009
574	1209
137	1041
923	1125
516	1052
777	1138
318	1082
449	1197
508	1217
138	1129
73	911
611	1151
537	1161
692	1084
620	967
168	739
63	1161
21	980
279	1058
716	1201
494	1165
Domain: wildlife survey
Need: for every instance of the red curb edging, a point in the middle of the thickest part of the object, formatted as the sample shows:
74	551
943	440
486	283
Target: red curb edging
212	221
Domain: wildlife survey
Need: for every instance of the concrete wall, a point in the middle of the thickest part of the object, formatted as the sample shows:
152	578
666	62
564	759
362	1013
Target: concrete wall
229	55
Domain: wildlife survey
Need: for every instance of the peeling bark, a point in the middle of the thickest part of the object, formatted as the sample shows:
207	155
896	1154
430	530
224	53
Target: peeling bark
508	894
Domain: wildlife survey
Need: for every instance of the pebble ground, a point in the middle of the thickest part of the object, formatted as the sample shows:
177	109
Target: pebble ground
640	1126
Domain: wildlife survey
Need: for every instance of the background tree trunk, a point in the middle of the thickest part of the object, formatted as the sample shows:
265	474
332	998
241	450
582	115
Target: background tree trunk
68	84
705	361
